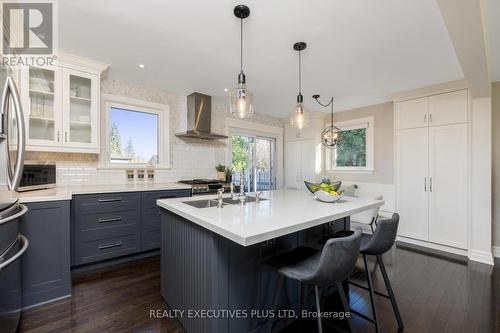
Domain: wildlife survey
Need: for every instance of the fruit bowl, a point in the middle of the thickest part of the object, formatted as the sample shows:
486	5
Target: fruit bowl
313	187
327	197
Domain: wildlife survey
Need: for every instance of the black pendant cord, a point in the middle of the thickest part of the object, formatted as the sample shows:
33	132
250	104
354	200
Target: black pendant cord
330	103
300	73
241	45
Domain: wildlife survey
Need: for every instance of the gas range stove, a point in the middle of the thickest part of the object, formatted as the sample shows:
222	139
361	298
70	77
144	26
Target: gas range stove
207	186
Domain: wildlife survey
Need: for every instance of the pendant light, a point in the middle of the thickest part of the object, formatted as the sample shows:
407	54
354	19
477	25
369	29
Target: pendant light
241	99
331	135
299	118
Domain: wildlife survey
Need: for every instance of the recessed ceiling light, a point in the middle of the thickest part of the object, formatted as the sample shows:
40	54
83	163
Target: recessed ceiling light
225	89
141	66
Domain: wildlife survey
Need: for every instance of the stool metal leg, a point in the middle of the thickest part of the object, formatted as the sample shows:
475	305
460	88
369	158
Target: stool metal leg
372	298
302	301
276	299
347	307
391	293
318	309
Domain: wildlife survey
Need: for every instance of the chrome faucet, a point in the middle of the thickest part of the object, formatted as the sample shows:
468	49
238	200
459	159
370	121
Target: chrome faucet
234	196
219	197
258	195
242	196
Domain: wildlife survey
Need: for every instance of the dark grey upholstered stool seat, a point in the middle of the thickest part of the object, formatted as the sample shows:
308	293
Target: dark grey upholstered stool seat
376	245
330	266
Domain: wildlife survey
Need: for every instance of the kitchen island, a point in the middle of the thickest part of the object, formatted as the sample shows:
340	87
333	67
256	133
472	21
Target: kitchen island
211	271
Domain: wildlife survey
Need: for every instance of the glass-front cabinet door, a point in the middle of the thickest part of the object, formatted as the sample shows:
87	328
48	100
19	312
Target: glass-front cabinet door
41	87
80	116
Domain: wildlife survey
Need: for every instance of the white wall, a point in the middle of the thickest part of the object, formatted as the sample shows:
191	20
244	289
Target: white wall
481	181
190	158
496	167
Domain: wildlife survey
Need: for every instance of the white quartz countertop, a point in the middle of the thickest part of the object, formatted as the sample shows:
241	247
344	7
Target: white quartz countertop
285	212
66	192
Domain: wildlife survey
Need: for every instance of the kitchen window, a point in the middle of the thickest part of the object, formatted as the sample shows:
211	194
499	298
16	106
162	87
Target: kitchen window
354	153
136	133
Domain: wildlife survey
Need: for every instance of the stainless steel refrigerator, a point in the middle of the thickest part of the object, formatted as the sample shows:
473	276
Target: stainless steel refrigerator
12	244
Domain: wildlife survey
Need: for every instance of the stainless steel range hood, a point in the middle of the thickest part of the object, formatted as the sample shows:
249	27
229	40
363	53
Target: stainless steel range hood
199	118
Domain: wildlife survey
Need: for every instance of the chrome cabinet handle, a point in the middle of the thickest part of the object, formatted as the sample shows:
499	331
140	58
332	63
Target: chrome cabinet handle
108	246
65	136
425	118
108	220
430	118
16	256
110	200
58	136
425	184
430	184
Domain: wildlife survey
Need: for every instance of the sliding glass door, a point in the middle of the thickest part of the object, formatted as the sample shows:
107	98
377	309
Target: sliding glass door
256	157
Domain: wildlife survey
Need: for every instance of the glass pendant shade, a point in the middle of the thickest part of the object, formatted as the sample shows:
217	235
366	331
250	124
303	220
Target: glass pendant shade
300	116
241	102
331	136
240	98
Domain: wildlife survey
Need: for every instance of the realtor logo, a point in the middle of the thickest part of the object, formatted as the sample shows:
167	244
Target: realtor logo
28	28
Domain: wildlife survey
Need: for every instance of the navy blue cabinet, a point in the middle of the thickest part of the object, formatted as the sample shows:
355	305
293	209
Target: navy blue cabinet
105	226
112	225
46	263
151	217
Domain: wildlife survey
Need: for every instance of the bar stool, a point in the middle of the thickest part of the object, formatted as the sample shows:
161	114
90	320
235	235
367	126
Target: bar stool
376	245
330	266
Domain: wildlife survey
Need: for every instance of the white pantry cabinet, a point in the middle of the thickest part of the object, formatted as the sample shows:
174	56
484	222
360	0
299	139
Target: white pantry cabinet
411	190
432	168
303	154
61	105
301	163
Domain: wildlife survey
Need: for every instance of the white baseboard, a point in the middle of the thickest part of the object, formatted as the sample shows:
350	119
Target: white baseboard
483	257
433	246
496	251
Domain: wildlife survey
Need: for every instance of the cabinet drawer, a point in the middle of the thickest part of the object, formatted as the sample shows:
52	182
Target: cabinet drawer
92	251
106	220
103	203
149	198
104	233
151	239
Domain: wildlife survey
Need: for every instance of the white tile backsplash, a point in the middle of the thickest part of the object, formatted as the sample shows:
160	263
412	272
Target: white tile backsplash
189	159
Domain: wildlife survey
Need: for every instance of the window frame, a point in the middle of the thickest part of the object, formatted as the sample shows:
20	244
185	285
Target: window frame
369	124
126	103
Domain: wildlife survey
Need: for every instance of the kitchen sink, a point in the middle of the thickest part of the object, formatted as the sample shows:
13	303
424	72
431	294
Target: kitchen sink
207	203
237	201
203	203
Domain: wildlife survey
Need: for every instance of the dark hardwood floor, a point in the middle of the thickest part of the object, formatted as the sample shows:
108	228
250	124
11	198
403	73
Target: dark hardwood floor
434	295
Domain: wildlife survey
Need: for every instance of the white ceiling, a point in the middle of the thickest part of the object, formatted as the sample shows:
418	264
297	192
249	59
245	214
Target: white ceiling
359	51
493	31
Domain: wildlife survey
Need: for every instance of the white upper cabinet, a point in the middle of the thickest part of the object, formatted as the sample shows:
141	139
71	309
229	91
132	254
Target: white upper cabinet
436	110
449	108
61	105
41	94
80	101
412	113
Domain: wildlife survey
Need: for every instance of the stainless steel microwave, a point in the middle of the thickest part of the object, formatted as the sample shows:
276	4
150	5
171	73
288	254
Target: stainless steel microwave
38	175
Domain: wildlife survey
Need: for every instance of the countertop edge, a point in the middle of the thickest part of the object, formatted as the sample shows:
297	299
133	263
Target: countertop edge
67	192
255	239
